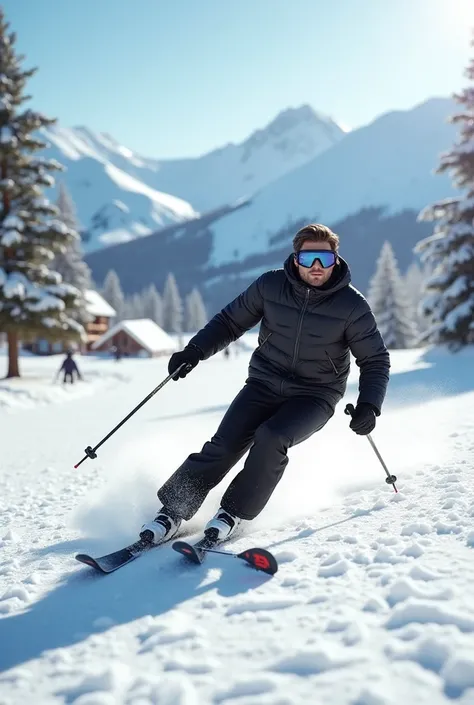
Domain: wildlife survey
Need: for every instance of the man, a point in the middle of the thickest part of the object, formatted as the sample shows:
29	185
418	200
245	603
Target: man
311	319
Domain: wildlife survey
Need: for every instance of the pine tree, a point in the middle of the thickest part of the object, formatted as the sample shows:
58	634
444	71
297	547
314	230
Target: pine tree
389	303
70	264
113	294
33	299
172	306
134	307
413	283
449	293
153	305
196	316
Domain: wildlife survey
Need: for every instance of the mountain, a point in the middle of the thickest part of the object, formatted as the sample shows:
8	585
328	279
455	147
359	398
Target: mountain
389	163
229	173
120	195
113	205
369	186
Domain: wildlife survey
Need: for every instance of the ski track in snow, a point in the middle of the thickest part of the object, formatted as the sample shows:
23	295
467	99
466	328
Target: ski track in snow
372	604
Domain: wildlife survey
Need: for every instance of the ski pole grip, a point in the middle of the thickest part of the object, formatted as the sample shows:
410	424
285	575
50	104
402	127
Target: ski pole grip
349	410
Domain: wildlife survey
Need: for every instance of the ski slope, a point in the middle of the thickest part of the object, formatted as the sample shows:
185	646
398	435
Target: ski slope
372	604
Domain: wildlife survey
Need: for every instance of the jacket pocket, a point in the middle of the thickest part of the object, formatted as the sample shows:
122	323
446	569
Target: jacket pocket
262	343
332	363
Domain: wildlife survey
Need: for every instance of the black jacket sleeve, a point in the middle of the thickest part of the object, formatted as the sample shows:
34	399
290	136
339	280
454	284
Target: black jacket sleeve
371	355
242	314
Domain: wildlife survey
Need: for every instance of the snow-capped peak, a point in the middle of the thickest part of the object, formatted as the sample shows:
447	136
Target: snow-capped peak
102	141
100	174
295	134
293	138
294	117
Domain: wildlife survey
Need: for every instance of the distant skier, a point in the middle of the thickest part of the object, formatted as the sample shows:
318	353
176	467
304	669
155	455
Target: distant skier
312	318
69	366
116	352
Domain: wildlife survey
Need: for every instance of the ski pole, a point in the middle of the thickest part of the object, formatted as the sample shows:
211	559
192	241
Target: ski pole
390	479
91	452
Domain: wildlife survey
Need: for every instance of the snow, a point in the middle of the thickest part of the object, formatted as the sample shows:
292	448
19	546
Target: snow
145	331
371	604
463	310
108	189
385	151
97	305
7	139
11	237
100	171
5	104
46	302
459	286
13	222
14	284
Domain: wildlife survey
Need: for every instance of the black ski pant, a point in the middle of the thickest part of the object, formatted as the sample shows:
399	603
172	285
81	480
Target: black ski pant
261	420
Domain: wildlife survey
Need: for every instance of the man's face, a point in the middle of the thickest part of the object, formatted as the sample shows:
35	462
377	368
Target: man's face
315	275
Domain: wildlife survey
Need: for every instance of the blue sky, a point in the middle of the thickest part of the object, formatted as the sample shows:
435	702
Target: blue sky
176	78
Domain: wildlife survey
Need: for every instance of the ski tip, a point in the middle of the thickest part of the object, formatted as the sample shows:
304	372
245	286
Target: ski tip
88	560
260	559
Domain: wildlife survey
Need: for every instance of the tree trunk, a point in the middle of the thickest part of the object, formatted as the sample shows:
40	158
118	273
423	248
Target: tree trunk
13	368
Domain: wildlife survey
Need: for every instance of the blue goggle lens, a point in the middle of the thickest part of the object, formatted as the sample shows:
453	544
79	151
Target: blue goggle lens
306	258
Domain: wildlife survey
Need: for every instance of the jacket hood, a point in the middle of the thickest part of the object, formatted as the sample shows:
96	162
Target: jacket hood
340	278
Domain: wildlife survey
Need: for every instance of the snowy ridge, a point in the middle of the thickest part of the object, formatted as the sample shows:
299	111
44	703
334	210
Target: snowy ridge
388	163
113	205
121	196
234	171
372	602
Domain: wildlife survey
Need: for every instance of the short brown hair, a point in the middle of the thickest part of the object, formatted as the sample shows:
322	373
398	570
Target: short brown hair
317	233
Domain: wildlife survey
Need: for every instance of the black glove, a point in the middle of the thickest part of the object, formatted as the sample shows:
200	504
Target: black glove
363	419
190	356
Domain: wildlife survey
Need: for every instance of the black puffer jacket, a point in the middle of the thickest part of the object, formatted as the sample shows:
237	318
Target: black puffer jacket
306	335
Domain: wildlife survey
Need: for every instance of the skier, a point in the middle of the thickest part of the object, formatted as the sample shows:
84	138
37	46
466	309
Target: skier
69	366
312	318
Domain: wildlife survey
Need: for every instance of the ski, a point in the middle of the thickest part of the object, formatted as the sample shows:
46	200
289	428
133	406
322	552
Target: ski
113	561
258	558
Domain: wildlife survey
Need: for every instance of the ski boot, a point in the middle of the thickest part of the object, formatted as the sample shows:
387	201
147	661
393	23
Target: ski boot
221	526
163	527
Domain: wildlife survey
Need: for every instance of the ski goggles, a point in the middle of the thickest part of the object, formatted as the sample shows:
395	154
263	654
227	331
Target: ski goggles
306	258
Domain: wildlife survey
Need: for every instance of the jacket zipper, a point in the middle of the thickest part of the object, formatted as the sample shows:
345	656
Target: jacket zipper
332	363
298	332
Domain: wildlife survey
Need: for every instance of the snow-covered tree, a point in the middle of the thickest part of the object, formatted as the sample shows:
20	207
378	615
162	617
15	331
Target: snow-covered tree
70	264
449	252
113	294
414	282
153	305
33	299
134	306
389	303
172	306
196	316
